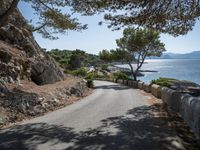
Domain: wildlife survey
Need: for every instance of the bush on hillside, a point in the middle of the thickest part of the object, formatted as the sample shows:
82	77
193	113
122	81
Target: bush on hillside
104	67
90	76
90	83
80	72
167	82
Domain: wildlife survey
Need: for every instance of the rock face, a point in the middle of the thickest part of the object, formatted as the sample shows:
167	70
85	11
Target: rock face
20	55
45	70
28	76
13	63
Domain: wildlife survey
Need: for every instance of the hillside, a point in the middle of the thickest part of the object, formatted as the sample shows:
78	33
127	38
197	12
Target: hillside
192	55
31	82
63	57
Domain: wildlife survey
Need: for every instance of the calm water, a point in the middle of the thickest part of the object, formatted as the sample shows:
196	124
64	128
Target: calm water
182	69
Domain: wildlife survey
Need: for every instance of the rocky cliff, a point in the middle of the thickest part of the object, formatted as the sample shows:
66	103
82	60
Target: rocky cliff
31	82
20	55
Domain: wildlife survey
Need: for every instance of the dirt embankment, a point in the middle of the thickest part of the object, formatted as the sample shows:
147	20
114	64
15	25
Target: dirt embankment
28	100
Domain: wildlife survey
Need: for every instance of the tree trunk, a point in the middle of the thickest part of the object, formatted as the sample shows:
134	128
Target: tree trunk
4	17
132	72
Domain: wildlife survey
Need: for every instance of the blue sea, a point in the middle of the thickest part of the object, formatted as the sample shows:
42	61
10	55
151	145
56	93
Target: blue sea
182	69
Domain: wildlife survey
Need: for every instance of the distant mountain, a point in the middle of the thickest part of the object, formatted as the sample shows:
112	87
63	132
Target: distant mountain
192	55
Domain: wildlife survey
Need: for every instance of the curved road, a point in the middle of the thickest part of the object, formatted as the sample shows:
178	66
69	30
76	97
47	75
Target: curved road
113	117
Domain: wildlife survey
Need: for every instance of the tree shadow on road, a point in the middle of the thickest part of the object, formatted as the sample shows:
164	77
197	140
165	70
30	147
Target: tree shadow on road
139	129
114	87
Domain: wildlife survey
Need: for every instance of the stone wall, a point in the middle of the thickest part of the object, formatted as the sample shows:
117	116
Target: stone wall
187	106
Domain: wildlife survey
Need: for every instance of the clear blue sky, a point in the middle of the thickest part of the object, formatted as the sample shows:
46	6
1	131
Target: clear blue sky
96	37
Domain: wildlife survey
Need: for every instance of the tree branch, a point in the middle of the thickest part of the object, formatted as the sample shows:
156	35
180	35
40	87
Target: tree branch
40	27
46	6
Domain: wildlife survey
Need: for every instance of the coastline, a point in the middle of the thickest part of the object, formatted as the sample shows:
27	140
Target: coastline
182	69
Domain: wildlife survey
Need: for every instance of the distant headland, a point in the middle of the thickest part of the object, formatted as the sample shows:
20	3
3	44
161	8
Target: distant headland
191	55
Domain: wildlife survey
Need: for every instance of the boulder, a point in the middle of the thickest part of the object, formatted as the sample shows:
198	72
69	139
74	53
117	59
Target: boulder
45	71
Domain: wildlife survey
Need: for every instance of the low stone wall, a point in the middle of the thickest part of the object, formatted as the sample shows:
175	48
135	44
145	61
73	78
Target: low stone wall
171	98
120	81
156	90
140	85
190	112
133	84
125	82
146	87
184	104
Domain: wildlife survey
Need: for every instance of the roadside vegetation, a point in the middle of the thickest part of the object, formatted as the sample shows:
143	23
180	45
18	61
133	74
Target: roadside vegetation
87	66
179	85
166	82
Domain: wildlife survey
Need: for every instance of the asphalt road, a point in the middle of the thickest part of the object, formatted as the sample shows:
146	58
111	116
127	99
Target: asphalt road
113	117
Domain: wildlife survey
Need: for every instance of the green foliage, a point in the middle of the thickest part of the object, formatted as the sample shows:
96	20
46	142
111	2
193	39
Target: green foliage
167	82
92	60
63	58
52	19
140	43
120	75
104	66
173	17
80	72
105	55
76	60
90	83
94	75
68	72
135	46
91	76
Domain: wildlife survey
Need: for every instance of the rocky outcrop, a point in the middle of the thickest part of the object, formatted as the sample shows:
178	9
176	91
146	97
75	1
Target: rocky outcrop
45	71
14	64
31	82
28	61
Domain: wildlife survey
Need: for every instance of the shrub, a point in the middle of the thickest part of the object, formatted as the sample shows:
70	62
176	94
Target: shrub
90	83
120	75
167	82
80	72
90	76
68	72
104	67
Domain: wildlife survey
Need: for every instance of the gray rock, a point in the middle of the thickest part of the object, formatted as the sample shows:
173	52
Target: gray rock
45	71
36	64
